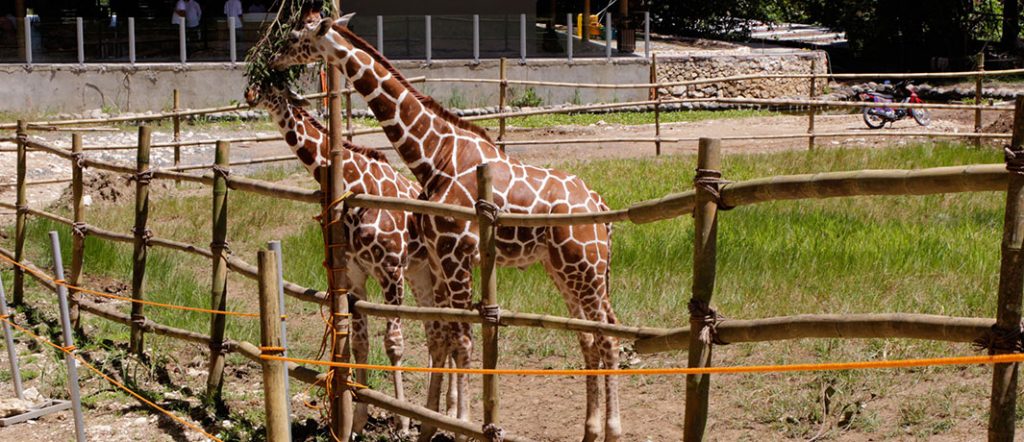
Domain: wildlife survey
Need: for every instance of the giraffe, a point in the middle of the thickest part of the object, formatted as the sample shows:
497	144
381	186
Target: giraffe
380	243
442	152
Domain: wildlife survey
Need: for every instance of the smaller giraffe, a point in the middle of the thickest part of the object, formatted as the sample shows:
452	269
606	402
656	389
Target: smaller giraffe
383	244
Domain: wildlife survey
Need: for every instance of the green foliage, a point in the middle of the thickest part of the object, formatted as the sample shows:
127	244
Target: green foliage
529	98
258	69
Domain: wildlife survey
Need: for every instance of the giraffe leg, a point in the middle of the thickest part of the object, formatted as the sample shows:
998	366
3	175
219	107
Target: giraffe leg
360	345
422	284
438	355
579	271
394	343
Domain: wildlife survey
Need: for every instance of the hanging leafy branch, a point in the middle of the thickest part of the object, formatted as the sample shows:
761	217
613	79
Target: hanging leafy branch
275	35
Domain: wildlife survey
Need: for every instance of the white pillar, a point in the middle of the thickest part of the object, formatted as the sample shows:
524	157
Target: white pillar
80	32
28	40
231	38
181	40
568	36
380	34
522	37
131	40
428	41
476	38
608	35
647	34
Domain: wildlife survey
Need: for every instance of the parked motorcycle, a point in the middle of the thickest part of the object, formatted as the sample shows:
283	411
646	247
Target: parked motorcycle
876	117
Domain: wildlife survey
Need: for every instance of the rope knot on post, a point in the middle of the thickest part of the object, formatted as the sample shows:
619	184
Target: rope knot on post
79	229
1014	160
21	209
222	347
146	234
709	181
139	320
78	158
494	433
487	210
144	177
707	319
490	313
998	340
220	171
220	245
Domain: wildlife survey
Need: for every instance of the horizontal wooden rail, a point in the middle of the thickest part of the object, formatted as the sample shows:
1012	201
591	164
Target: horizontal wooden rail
163	115
864	133
264	160
850	326
507	319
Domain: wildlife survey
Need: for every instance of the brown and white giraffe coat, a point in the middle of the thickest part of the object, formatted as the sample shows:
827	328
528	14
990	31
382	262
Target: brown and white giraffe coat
383	244
443	152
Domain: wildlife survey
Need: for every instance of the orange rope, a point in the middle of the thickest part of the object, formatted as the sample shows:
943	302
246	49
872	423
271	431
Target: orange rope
64	283
900	363
112	381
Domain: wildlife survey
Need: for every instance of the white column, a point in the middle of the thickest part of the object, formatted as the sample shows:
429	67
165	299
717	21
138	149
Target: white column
80	32
568	36
181	40
522	37
231	38
28	40
131	40
647	34
476	38
428	41
608	35
380	34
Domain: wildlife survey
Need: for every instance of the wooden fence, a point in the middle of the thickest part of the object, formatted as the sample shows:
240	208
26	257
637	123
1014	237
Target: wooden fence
702	202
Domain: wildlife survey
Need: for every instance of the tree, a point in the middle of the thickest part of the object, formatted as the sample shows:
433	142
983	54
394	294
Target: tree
1011	24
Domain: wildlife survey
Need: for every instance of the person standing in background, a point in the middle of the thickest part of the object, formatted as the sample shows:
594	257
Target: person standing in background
188	10
233	8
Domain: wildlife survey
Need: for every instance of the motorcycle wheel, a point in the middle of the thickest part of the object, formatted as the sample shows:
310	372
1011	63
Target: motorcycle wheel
873	121
921	116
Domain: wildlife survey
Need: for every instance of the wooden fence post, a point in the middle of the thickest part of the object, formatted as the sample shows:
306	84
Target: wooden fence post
489	289
1003	410
348	110
218	291
274	398
704	254
653	77
21	204
339	406
77	229
142	177
177	129
657	127
811	110
978	83
502	97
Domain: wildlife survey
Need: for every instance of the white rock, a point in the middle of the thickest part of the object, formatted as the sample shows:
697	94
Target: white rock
14	406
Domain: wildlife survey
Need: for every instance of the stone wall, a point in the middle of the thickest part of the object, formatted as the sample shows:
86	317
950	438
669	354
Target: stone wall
691	67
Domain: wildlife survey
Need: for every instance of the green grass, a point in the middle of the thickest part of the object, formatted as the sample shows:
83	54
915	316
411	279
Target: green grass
625	118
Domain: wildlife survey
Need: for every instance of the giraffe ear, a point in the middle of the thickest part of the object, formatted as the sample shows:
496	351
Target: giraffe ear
325	25
343	21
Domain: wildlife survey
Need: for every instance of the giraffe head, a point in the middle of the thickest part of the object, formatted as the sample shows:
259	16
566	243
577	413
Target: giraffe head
309	42
276	98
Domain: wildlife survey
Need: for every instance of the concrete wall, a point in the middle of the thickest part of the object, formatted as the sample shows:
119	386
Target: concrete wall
140	88
692	67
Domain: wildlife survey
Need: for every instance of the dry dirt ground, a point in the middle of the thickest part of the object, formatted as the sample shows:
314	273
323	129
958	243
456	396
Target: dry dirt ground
855	407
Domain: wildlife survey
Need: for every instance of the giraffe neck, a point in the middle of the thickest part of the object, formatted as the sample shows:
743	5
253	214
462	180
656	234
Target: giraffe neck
302	133
415	129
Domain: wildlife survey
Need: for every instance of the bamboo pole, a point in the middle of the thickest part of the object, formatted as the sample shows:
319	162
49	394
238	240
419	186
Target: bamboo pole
1003	411
653	77
489	291
585	23
78	236
274	397
657	128
219	277
978	82
340	406
177	128
502	97
811	109
140	251
705	220
349	134
22	205
846	326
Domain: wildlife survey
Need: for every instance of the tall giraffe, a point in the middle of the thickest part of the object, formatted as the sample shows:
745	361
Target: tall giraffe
384	244
442	151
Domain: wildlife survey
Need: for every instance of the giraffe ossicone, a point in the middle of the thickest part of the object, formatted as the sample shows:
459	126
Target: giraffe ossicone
443	151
